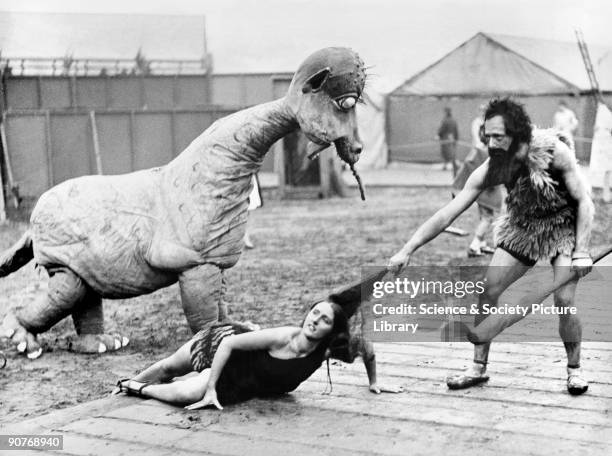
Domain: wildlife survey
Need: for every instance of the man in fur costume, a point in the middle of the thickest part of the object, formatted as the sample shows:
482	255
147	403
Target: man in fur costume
549	216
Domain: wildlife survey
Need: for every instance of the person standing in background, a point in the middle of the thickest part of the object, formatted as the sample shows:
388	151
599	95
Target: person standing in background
565	120
448	135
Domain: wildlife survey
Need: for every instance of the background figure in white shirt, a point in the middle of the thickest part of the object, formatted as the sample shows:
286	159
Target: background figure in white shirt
565	119
600	163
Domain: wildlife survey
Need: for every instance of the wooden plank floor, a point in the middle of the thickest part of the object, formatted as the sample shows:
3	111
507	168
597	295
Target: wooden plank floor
524	409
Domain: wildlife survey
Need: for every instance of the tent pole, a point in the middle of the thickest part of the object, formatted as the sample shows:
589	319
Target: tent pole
2	204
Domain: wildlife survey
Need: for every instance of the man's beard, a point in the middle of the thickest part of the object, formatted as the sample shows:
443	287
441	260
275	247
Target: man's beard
500	165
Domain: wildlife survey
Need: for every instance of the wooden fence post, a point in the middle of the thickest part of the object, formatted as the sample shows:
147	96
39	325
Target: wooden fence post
2	204
49	149
96	142
279	165
7	161
132	139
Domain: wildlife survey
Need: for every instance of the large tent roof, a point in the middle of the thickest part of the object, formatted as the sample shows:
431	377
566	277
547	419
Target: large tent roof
503	64
563	58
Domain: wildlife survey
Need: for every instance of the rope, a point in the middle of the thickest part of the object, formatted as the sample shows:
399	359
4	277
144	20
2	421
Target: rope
418	145
359	183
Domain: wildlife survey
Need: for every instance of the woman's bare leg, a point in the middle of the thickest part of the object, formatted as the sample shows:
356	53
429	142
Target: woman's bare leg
165	370
181	392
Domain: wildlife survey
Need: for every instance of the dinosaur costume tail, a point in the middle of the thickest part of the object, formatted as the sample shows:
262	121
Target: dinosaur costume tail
17	256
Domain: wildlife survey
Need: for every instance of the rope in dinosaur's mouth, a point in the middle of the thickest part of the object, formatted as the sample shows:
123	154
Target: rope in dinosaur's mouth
313	150
359	183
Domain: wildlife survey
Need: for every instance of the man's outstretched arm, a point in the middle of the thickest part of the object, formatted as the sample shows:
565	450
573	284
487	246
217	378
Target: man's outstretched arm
441	219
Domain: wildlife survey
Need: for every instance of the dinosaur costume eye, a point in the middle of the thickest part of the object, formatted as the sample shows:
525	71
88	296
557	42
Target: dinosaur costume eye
346	103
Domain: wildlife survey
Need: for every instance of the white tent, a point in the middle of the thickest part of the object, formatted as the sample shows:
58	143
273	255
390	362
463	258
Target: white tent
371	120
601	149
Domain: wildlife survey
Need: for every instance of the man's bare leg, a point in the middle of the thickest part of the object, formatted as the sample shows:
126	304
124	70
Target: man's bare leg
570	327
503	271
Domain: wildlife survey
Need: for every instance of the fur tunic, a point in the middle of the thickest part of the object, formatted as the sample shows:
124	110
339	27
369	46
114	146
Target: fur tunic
540	221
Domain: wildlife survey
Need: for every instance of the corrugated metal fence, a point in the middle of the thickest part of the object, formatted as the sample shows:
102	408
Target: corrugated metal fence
140	122
45	148
132	92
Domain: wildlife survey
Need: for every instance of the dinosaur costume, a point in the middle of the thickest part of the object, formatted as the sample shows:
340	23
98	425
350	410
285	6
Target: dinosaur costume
128	235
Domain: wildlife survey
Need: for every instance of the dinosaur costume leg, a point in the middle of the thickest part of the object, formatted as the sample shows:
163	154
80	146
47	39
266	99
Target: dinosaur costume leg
88	319
202	290
67	294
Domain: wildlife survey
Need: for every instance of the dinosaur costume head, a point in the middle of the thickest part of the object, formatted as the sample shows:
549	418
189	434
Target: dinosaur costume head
323	94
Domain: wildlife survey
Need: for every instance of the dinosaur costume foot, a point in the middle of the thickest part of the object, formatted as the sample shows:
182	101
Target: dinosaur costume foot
87	343
24	340
97	343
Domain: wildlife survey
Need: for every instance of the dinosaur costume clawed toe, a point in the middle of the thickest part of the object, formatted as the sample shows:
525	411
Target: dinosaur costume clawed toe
128	235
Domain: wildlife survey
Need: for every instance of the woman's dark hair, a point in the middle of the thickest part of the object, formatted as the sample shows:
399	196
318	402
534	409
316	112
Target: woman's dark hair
516	120
337	341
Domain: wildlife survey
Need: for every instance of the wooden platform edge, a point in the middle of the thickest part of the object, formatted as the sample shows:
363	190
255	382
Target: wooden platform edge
58	418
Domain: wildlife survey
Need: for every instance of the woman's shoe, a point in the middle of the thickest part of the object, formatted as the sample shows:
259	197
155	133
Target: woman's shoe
130	387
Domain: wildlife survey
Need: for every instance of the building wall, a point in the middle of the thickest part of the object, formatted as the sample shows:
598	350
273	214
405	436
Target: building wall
164	92
142	121
48	148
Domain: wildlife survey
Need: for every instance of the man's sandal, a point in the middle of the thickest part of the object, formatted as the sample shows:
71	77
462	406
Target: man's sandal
576	383
462	381
123	386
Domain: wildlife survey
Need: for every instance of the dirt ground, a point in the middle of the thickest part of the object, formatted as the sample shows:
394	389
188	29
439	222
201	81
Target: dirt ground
304	249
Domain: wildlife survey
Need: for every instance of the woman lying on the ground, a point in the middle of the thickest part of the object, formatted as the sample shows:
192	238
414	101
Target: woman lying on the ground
235	363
